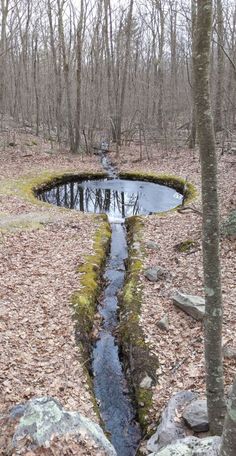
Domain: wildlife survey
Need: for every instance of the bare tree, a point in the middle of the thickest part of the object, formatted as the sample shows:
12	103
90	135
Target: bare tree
211	255
3	50
220	67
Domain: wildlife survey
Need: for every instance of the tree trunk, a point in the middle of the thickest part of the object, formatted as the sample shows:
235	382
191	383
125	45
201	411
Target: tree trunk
62	46
220	68
57	73
125	73
211	256
193	132
3	50
79	77
228	447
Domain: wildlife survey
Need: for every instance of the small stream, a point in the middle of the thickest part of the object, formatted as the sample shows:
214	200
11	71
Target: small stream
119	199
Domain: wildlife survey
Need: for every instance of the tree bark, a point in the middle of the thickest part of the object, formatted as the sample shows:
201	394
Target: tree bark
65	59
79	77
193	132
211	256
220	68
125	72
3	50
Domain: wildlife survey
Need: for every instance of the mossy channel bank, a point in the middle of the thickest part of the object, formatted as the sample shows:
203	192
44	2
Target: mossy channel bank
123	369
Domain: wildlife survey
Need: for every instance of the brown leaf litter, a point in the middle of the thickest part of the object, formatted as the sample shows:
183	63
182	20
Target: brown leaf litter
38	268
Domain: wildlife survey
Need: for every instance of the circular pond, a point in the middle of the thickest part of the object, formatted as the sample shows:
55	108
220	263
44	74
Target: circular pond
118	198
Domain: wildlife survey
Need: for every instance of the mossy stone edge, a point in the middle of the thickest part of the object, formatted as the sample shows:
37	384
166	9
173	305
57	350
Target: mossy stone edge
178	183
29	187
139	362
84	301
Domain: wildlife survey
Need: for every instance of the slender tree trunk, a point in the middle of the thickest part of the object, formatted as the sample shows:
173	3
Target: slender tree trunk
174	68
125	73
35	71
228	447
79	77
211	256
193	131
3	50
66	74
57	72
220	68
160	71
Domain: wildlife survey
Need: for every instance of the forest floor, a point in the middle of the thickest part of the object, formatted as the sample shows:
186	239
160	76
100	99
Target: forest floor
38	274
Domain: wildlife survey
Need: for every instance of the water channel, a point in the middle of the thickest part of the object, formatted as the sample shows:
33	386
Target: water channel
118	198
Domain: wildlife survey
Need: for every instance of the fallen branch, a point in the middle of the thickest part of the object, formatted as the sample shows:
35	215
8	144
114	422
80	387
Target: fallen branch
189	208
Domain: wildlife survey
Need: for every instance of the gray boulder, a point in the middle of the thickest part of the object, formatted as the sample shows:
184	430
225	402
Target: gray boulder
190	304
152	245
177	449
155	273
192	446
196	416
170	430
43	417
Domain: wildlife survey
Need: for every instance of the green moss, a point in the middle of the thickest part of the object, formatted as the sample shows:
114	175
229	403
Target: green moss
138	360
178	183
27	187
185	246
84	301
144	399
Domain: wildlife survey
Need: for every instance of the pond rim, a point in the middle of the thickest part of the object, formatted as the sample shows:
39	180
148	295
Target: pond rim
177	183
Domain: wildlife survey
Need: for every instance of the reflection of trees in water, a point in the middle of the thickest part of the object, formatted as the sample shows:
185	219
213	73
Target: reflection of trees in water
98	200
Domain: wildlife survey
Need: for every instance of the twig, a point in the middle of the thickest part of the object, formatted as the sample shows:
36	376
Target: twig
186	208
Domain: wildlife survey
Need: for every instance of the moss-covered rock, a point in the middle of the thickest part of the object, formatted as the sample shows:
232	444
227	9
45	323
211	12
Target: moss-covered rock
139	363
185	246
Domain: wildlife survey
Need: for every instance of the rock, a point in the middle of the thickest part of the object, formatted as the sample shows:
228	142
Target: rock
196	416
154	274
152	245
44	418
170	430
178	449
146	382
208	446
190	304
17	411
164	323
192	446
229	352
229	226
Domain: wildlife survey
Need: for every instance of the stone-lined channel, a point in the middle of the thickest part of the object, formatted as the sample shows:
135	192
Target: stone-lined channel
118	198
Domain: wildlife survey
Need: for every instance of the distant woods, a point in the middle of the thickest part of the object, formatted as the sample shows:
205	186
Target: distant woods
80	70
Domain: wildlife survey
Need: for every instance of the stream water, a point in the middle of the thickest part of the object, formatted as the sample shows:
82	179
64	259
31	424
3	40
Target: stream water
119	199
